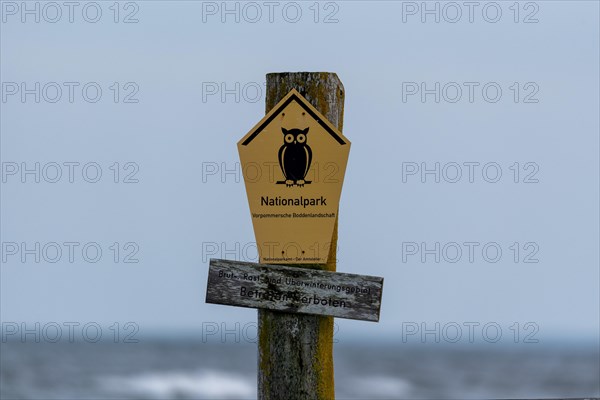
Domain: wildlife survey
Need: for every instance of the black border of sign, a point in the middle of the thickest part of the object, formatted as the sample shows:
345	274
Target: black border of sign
295	97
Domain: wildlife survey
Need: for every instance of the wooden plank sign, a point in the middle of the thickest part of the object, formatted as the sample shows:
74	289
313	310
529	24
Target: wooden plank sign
294	290
293	162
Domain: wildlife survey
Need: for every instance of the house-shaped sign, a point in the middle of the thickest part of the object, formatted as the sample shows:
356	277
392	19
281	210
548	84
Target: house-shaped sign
293	162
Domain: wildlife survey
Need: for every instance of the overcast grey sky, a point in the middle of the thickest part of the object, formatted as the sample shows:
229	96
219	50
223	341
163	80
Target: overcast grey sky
518	93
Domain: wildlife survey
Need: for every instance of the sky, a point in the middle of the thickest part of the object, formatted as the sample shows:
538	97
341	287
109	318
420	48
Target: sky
472	184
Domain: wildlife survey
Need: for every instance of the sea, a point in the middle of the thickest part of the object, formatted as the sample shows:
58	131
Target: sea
190	369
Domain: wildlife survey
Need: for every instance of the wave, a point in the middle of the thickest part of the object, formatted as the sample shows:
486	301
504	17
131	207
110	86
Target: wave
373	387
212	384
203	384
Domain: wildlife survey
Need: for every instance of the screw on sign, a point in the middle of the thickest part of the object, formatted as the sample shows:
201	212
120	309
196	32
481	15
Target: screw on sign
294	212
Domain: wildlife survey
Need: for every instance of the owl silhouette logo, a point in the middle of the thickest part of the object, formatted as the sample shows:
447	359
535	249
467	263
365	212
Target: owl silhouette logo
295	157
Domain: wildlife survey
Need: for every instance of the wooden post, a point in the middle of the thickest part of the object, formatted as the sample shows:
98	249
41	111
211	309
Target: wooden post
295	351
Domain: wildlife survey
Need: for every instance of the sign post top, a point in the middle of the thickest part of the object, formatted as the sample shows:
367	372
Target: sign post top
293	97
293	163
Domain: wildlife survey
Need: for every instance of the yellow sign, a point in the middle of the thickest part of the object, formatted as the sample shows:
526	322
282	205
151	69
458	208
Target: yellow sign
293	162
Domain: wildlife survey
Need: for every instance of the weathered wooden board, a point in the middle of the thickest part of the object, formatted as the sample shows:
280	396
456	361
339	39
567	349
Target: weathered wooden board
294	290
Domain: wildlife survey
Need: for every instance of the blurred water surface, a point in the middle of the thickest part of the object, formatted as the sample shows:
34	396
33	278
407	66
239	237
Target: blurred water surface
195	370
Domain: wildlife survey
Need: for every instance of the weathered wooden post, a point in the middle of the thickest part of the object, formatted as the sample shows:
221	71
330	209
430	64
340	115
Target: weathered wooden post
293	162
295	351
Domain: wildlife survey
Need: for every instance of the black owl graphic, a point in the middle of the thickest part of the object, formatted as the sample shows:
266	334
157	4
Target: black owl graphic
295	157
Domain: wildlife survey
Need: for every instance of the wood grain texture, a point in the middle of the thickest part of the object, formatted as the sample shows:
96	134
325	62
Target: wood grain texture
294	290
295	351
